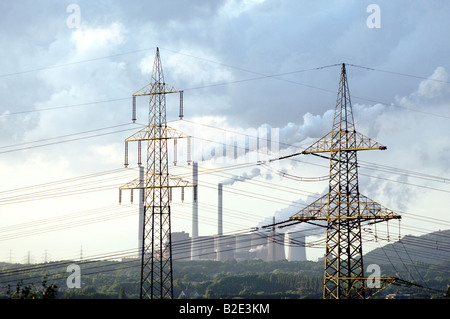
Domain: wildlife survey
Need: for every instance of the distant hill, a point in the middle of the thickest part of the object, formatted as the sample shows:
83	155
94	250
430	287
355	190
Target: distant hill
432	248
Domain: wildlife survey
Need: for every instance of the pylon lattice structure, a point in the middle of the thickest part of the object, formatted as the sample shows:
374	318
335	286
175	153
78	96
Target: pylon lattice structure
156	254
343	208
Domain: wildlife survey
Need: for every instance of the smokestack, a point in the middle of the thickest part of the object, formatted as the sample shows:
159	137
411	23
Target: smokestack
195	200
141	210
194	248
219	212
275	243
272	246
225	245
219	239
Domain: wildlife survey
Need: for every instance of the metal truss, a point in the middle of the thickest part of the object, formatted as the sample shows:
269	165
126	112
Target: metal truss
156	254
343	208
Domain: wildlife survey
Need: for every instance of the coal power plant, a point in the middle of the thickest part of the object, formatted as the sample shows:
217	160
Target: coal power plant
259	245
267	244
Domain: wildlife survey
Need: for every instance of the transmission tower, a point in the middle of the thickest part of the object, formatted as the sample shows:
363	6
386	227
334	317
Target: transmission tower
343	208
156	249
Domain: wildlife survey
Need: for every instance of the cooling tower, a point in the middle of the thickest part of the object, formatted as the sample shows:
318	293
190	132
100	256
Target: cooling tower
243	246
275	246
296	246
225	247
258	248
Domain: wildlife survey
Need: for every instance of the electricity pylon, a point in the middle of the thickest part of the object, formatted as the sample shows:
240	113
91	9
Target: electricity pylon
156	254
343	208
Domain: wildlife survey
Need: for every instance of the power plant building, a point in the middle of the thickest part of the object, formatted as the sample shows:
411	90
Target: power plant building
266	245
225	247
181	246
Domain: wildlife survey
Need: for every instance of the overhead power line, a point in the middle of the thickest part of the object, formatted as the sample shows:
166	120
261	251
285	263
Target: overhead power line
63	107
64	136
72	63
398	73
278	76
21	147
52	268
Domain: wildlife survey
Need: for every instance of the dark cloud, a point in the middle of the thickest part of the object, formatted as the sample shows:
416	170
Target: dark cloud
256	37
224	54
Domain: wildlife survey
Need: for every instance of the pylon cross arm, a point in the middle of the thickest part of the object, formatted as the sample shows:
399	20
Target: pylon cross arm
173	182
368	210
316	210
179	182
343	141
157	88
144	134
373	210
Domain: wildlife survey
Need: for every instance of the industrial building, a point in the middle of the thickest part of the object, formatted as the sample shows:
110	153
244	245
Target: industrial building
267	245
259	245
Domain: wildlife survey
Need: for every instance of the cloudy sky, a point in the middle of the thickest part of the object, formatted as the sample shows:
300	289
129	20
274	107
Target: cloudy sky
68	70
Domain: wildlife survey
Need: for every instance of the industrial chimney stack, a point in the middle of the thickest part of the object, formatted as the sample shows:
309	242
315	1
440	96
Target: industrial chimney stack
194	240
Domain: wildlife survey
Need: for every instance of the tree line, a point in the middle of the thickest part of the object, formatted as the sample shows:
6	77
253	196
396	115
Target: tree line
201	279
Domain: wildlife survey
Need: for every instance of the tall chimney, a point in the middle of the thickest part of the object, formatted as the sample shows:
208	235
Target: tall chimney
195	200
194	240
141	210
219	212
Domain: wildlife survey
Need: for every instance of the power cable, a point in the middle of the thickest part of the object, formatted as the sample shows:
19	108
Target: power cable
73	63
65	141
366	164
398	73
63	107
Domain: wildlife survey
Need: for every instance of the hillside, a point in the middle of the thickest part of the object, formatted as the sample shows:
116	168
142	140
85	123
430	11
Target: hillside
432	248
423	260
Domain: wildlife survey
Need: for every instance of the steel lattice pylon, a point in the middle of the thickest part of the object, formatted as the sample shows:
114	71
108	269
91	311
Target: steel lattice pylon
156	254
343	208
